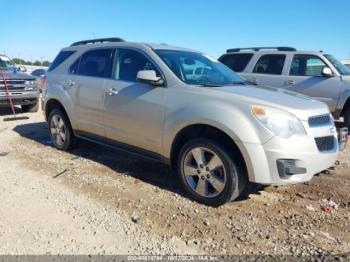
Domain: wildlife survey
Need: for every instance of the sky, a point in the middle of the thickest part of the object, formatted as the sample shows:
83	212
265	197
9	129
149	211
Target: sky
37	29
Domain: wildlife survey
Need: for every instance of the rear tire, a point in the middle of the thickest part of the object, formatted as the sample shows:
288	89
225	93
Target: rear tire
220	173
30	108
60	130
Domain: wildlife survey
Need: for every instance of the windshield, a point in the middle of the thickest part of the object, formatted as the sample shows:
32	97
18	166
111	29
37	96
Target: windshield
5	65
341	68
198	69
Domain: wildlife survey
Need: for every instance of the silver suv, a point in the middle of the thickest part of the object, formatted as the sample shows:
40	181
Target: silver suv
314	74
189	110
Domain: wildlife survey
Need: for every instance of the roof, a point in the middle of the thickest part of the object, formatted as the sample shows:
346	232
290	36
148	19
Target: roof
87	44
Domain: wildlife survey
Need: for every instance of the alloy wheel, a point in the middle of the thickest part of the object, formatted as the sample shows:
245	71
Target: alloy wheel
204	172
58	130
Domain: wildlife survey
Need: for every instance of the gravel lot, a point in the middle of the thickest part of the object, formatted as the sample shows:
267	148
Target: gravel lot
97	201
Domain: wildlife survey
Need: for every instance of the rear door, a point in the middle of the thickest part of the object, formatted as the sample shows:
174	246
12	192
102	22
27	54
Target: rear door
268	70
88	75
305	76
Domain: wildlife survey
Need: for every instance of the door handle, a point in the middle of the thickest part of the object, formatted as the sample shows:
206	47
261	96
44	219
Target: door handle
70	83
290	82
111	91
254	80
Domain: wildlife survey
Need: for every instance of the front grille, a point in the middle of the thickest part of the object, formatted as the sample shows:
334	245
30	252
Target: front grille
320	120
326	143
12	84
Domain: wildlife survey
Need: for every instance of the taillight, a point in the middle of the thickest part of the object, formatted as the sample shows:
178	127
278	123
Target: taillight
42	82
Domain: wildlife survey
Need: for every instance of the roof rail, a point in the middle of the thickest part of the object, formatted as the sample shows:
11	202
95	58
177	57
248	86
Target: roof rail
99	40
279	48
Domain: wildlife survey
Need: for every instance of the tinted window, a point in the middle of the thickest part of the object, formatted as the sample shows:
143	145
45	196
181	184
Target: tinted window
270	64
74	67
96	63
129	62
60	58
237	62
306	65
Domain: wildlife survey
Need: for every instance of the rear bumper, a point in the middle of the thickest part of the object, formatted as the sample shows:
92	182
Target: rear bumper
20	98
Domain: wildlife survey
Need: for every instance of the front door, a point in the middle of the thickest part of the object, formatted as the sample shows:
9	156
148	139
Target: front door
305	76
134	110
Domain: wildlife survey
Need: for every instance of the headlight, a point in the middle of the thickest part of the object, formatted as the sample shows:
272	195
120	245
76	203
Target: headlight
279	122
30	82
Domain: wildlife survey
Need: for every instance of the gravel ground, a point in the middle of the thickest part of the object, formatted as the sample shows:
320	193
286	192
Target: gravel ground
93	200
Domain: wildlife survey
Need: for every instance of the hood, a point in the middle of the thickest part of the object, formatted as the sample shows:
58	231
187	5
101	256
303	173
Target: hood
299	105
346	77
10	75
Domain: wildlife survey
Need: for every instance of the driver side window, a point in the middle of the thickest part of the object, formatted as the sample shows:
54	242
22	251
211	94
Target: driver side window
306	65
129	62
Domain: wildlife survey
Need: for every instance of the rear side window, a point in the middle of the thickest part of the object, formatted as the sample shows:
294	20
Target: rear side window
60	58
97	63
237	62
270	64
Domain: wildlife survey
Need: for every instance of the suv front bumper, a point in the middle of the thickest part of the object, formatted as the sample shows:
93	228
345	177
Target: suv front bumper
287	161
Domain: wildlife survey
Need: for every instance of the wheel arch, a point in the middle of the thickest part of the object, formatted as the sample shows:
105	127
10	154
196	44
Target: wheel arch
205	131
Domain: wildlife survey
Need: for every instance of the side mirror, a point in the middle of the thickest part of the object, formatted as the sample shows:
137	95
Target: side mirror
326	71
150	77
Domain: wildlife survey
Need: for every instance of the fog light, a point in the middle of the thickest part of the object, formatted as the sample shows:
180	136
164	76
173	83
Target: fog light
287	167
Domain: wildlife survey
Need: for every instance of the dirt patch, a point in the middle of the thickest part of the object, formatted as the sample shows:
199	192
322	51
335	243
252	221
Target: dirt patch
146	197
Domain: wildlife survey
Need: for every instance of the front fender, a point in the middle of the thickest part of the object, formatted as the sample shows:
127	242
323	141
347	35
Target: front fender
237	122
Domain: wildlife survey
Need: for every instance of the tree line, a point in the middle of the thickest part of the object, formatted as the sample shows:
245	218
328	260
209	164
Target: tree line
19	61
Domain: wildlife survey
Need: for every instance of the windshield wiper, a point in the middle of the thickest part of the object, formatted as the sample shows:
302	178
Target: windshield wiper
236	83
209	85
250	83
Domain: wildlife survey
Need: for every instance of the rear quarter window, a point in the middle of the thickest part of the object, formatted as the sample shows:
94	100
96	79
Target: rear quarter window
237	62
60	58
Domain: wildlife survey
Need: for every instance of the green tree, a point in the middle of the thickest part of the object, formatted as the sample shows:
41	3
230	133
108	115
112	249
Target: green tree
46	63
37	63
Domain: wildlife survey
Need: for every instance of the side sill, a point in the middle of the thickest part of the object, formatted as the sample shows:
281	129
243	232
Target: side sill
119	146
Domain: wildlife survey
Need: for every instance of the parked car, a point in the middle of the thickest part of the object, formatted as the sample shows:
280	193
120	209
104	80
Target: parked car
22	88
314	74
217	131
39	74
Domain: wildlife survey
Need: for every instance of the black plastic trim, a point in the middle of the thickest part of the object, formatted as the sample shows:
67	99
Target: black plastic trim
121	146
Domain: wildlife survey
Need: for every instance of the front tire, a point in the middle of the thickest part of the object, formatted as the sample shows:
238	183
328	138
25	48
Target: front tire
209	173
60	130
